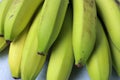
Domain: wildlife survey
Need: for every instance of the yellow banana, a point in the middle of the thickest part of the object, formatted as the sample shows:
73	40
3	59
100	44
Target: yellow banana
84	29
4	6
99	63
52	16
111	19
15	54
31	63
3	44
18	16
62	57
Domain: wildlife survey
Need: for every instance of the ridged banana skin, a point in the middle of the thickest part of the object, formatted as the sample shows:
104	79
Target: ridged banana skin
15	54
115	54
18	16
84	29
31	63
62	57
99	63
3	44
4	6
110	18
50	24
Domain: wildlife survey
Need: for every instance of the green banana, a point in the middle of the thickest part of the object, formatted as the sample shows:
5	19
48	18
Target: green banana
15	54
99	63
31	63
111	19
84	29
4	6
3	44
18	16
52	16
62	57
115	53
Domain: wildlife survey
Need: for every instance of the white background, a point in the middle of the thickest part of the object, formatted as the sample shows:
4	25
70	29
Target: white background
76	74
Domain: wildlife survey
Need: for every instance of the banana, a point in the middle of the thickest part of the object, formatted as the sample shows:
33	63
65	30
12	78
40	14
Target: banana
15	54
31	63
3	44
111	19
99	63
4	6
52	16
62	57
18	16
115	53
84	30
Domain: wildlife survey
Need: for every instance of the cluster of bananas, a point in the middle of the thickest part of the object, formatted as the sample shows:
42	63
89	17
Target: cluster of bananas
73	33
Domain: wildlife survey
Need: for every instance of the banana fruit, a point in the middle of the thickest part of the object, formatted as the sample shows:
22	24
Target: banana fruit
18	16
115	53
3	44
99	63
111	19
62	57
84	29
31	63
4	6
15	54
51	19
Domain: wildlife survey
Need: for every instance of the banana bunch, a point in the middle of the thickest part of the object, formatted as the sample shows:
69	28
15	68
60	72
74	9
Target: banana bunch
61	58
84	30
69	29
99	64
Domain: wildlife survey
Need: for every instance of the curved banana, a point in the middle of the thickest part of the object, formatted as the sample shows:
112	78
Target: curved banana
4	6
52	16
115	54
99	64
31	63
15	54
3	44
18	16
111	19
84	29
62	57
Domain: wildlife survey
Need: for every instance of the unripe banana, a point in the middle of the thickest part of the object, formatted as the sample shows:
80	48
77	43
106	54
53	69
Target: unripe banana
15	54
31	63
52	16
3	44
99	63
4	6
115	54
111	19
62	57
18	16
84	29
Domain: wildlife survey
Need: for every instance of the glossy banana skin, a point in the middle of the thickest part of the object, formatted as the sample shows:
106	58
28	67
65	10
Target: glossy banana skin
62	57
18	16
15	54
99	64
115	53
4	6
84	29
31	63
50	24
111	19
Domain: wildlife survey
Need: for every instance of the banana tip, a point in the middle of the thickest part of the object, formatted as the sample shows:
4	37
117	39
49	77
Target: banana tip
79	65
8	41
1	35
40	53
16	77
